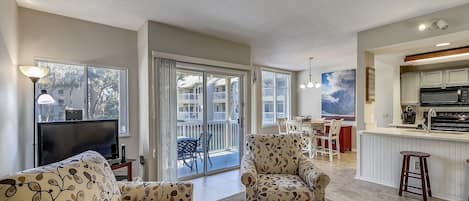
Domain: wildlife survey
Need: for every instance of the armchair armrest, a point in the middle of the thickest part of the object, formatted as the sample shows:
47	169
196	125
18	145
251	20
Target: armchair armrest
164	191
315	179
248	172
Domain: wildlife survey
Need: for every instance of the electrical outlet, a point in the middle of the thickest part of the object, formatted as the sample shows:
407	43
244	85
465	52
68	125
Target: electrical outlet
417	166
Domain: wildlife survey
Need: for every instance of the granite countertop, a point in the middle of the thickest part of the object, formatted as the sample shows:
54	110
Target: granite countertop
419	134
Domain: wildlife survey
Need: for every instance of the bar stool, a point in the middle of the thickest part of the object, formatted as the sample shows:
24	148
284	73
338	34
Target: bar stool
422	176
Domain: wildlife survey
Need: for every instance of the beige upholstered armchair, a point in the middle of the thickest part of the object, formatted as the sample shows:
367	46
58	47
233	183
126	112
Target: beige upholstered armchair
273	168
83	177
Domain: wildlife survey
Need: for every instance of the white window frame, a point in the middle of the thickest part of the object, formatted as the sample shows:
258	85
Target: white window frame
289	89
125	97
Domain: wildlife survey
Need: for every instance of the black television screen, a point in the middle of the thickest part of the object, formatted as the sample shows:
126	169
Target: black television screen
60	140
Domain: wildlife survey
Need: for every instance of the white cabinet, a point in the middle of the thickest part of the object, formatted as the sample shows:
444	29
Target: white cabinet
431	79
410	88
457	77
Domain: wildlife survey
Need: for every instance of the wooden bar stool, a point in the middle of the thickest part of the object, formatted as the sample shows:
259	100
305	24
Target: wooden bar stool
422	176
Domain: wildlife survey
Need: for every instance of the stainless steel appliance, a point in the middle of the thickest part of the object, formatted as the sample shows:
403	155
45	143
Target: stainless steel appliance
450	96
449	121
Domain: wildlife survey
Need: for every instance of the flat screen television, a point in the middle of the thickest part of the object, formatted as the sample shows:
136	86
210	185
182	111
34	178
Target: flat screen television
60	140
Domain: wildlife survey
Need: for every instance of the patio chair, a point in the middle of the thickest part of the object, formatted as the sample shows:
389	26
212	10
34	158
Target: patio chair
187	150
200	148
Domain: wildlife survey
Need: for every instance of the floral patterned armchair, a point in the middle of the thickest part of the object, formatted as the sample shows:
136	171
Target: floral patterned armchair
273	168
86	176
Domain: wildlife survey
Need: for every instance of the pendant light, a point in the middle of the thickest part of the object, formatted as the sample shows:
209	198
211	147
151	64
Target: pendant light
310	83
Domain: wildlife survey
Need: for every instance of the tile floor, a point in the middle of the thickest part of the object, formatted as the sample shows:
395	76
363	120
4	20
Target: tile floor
343	186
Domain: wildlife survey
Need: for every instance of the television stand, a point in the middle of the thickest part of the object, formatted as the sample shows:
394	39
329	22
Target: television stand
117	164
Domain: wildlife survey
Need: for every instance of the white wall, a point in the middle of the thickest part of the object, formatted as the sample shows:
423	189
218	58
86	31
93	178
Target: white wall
384	92
44	35
10	150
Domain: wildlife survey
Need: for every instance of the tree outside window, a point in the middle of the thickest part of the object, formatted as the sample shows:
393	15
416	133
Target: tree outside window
101	93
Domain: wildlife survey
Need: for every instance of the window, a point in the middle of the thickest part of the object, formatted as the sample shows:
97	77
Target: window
275	92
100	92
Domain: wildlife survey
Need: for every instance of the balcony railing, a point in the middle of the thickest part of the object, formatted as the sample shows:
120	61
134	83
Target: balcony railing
219	95
188	96
221	140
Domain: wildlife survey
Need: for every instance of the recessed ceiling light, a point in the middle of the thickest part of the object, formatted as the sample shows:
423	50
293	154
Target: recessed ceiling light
442	44
422	27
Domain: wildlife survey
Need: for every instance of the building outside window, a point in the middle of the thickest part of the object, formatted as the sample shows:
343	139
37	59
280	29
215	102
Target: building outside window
100	92
275	96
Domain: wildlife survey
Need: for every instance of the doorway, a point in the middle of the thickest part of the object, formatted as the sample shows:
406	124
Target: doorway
209	120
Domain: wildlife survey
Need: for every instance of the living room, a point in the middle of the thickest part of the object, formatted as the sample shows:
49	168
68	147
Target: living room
185	93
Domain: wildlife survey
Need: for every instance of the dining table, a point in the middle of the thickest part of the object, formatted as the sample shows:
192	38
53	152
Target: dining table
312	127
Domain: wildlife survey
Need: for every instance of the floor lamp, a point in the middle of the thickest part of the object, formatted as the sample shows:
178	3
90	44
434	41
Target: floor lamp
35	73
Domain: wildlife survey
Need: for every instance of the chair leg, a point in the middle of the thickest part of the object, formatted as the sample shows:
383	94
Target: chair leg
195	161
427	177
337	147
331	151
402	175
407	169
209	160
422	176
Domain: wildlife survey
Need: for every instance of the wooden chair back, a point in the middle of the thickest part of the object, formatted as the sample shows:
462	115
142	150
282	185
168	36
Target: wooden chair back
334	129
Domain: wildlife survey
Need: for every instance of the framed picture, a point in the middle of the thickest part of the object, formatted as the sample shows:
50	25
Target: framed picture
338	95
370	84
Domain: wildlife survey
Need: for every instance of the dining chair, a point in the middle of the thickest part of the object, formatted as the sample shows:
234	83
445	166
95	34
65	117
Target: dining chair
282	125
332	135
293	126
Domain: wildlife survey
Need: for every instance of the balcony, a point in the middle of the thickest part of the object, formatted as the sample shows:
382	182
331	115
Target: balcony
219	96
223	148
188	97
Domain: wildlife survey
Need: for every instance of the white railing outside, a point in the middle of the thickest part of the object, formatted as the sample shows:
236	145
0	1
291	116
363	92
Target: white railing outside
217	129
188	96
219	95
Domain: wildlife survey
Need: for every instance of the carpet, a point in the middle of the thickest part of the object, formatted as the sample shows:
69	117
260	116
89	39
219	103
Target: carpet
240	197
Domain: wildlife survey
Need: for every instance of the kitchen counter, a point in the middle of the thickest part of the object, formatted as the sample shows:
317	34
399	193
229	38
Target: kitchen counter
379	159
416	133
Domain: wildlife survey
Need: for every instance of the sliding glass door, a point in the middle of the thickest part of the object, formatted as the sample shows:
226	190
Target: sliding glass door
209	126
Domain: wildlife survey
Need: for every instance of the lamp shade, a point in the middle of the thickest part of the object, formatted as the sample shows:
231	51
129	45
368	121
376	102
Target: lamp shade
34	72
45	99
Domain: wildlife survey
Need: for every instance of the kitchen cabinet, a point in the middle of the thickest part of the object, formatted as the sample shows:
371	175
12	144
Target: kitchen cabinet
431	79
410	88
457	77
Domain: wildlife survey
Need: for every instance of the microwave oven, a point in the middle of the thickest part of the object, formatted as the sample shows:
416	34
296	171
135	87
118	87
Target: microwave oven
450	96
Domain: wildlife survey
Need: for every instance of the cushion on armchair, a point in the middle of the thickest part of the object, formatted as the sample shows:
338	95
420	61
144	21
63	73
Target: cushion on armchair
86	176
275	154
273	168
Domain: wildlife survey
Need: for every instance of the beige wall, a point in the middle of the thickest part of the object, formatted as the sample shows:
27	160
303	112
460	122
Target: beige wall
10	140
44	35
158	37
401	32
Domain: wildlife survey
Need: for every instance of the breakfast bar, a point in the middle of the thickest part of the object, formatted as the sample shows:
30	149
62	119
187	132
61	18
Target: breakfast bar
379	160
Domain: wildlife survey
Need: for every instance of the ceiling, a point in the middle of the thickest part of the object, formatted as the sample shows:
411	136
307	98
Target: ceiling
281	33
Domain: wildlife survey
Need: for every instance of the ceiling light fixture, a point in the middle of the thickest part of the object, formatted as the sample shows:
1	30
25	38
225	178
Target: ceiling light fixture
422	27
442	44
438	24
310	83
